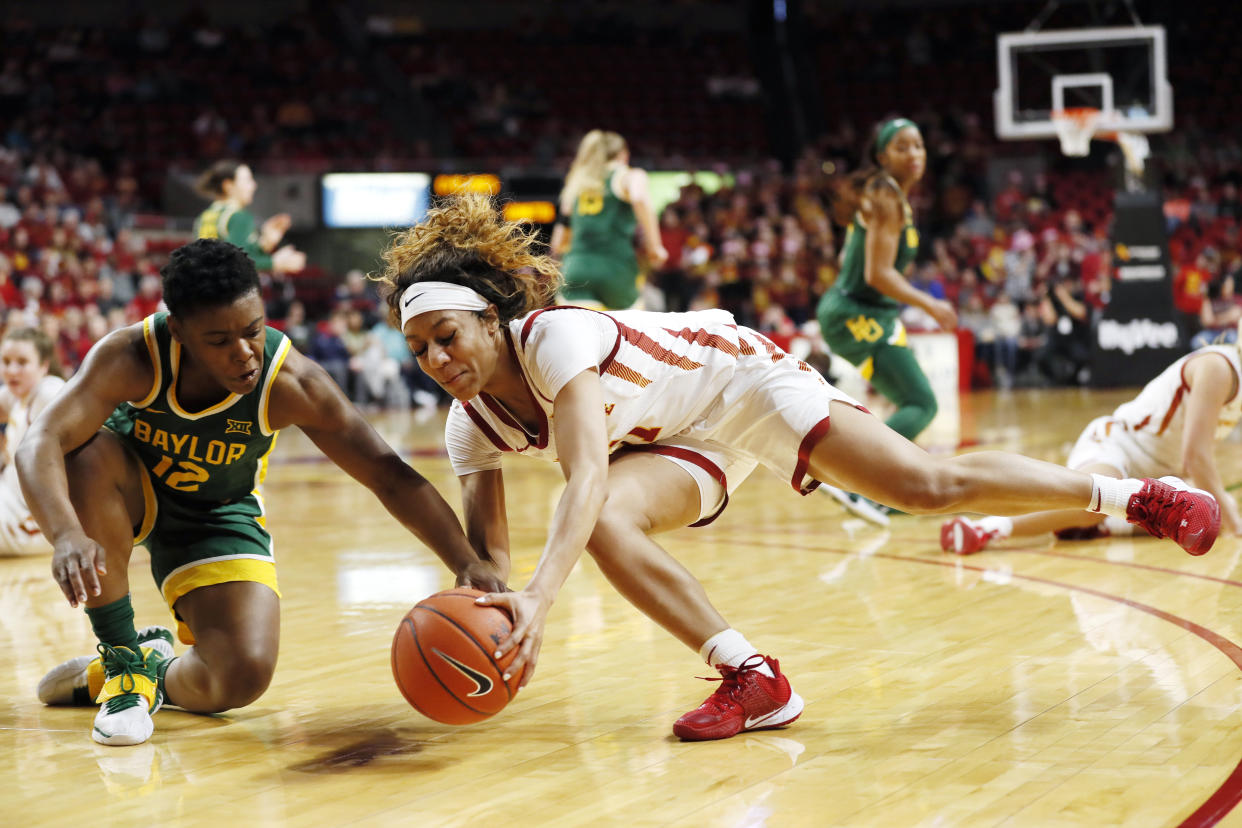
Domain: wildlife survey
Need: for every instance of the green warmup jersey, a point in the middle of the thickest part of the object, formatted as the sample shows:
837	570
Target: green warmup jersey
223	220
203	458
601	262
852	280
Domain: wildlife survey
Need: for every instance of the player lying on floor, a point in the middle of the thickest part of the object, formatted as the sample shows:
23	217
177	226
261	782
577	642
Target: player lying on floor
654	418
1170	428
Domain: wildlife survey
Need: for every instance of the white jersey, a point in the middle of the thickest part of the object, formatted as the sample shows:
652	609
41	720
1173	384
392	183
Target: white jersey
1158	413
659	372
19	534
19	414
713	397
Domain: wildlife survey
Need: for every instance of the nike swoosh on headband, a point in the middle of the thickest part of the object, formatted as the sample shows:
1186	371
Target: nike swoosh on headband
412	298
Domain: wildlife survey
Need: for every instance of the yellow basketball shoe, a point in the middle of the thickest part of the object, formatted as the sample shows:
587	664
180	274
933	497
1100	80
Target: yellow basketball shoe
131	693
79	680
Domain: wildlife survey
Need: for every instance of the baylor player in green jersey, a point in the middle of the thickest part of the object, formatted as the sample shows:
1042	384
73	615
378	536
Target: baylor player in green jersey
231	187
859	315
603	201
162	438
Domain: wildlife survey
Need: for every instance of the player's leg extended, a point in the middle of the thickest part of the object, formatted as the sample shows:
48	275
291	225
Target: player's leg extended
865	455
898	376
236	627
1056	521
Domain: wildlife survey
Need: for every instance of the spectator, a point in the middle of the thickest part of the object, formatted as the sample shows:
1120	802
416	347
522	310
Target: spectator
1189	287
1032	340
328	349
1067	357
1007	329
295	327
1219	314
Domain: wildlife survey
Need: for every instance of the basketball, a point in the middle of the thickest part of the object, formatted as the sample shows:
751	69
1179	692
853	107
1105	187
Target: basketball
442	658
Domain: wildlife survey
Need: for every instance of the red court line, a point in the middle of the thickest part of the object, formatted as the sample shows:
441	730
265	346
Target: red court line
1130	564
1223	800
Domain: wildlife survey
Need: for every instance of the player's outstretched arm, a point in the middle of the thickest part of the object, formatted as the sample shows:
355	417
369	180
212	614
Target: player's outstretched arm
1212	385
304	395
117	369
582	443
487	523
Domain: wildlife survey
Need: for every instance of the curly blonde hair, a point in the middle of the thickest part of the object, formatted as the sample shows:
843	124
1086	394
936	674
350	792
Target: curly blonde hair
589	169
466	241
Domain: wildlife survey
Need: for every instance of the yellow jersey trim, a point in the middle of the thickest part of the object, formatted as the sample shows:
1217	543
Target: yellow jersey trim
153	349
151	507
172	392
282	351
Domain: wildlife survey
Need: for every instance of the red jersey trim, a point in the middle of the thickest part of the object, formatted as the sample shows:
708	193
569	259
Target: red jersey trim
805	448
697	459
487	430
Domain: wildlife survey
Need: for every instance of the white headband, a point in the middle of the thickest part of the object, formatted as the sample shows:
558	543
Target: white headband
421	297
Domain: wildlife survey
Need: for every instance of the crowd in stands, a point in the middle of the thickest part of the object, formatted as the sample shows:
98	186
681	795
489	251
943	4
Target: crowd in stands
1029	272
1028	265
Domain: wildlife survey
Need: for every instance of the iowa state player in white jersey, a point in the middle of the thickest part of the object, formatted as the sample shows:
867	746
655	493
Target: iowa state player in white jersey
26	356
654	418
1170	428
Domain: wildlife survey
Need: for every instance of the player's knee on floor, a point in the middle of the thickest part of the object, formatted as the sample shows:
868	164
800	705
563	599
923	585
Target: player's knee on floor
240	679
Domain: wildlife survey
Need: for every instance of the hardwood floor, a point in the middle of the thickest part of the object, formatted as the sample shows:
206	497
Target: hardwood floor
1089	683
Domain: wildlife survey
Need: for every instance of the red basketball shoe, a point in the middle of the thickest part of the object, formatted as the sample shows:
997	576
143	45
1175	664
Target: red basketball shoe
962	536
745	700
1168	508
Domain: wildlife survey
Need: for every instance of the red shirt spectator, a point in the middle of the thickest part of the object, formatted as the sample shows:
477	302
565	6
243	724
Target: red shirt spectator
1188	287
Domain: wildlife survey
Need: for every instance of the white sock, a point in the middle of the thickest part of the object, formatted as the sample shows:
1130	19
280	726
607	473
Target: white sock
730	647
1110	495
1116	526
999	524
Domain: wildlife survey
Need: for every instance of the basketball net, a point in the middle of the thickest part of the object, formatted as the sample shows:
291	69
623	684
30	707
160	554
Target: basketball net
1078	125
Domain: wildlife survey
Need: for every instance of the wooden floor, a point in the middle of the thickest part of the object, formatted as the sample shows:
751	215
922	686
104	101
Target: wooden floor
1072	684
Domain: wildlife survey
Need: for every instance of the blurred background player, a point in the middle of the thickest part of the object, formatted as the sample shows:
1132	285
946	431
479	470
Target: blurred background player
603	200
859	314
1171	428
231	186
31	380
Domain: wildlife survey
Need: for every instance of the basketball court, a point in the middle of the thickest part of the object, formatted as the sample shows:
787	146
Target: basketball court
1087	683
1040	684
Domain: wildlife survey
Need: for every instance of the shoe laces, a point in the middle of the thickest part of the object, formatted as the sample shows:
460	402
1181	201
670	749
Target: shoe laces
730	689
1156	509
123	662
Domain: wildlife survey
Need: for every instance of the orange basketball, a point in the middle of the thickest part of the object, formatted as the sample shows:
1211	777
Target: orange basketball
442	658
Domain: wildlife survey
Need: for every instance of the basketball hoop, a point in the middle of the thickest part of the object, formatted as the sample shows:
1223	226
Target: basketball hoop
1076	127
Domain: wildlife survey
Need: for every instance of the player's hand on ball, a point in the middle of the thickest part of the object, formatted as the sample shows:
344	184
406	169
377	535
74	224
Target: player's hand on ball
484	575
77	563
529	612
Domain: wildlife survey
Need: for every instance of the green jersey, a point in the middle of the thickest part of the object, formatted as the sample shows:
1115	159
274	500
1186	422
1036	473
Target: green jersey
200	458
600	265
224	220
602	224
852	280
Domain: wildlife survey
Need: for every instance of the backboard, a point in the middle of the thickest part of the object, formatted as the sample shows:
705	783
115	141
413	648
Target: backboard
1120	70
